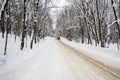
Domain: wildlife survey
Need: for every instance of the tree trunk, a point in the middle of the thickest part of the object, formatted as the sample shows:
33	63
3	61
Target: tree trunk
116	18
96	34
99	24
7	26
24	27
2	24
6	40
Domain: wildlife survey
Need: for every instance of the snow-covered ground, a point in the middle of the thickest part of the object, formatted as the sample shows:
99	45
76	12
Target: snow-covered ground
108	56
55	61
14	55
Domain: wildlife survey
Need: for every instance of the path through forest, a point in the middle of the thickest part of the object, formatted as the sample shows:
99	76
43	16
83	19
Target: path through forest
57	61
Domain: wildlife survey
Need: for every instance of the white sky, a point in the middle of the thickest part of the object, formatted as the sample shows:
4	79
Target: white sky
55	11
62	3
59	3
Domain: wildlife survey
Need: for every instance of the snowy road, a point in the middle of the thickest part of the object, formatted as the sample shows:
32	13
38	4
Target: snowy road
57	61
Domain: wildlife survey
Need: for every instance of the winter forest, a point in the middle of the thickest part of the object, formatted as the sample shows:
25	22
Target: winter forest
87	23
91	21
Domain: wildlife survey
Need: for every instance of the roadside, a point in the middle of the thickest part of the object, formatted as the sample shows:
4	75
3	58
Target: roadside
108	58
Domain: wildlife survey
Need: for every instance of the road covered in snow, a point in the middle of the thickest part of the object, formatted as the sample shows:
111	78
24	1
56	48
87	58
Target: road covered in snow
58	61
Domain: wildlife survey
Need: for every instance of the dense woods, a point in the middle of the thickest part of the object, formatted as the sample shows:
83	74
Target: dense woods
25	18
91	21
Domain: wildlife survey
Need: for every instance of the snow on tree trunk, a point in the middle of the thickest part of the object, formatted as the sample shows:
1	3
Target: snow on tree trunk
24	27
2	12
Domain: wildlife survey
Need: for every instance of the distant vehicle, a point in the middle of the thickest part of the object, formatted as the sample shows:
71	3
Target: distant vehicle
58	38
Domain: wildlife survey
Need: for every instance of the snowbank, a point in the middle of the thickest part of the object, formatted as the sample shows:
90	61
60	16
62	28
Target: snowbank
14	55
108	57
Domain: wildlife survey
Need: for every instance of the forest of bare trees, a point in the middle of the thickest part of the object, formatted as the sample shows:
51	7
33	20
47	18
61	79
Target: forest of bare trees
91	21
25	18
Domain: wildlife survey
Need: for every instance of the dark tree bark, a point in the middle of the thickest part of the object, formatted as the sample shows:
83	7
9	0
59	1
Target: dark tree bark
99	24
7	26
2	18
6	40
24	27
2	24
116	18
35	22
95	33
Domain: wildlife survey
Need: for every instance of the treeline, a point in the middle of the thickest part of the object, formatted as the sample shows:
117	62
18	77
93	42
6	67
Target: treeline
92	21
24	18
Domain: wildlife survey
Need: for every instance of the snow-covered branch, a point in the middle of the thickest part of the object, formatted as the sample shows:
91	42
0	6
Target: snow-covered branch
113	23
3	7
73	27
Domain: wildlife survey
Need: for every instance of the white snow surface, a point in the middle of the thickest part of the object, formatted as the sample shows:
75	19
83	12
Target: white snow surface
46	61
108	56
14	55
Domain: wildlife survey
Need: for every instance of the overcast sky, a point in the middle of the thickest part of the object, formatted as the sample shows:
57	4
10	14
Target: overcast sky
62	3
55	11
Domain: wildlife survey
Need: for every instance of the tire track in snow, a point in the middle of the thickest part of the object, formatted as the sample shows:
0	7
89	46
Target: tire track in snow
77	60
57	61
